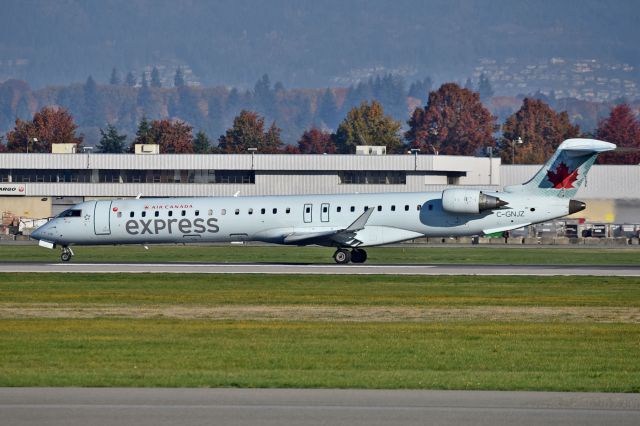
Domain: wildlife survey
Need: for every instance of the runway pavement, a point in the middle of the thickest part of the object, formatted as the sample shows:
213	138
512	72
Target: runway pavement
145	407
326	269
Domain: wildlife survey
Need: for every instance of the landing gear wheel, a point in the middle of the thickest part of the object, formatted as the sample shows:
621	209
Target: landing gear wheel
342	256
358	256
66	254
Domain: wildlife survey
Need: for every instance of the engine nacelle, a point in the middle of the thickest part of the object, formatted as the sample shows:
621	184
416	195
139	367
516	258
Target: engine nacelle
469	201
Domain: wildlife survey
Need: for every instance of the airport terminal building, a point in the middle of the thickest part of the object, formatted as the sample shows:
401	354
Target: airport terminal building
42	185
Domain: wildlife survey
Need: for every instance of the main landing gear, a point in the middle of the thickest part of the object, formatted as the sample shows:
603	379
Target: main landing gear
343	256
67	254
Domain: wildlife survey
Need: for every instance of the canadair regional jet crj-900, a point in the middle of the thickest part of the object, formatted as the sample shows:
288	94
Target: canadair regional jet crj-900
348	222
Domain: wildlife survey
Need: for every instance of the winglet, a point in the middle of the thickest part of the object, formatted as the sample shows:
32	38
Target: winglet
360	222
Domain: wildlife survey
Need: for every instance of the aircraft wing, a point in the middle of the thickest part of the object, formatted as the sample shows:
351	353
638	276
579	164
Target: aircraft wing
311	236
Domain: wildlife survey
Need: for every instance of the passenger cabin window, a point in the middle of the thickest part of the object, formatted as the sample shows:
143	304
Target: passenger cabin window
338	209
366	208
275	211
237	212
250	211
379	208
263	211
288	210
406	207
131	214
156	213
71	213
170	213
325	209
144	214
183	213
393	208
197	212
308	209
353	209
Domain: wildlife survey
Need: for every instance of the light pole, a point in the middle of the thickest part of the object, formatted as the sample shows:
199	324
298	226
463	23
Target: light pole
253	152
34	140
513	148
415	152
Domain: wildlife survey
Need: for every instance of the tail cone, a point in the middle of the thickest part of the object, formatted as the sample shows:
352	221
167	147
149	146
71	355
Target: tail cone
576	206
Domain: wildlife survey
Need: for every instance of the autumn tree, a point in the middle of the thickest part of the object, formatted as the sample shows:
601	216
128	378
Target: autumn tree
49	125
201	143
3	147
368	125
622	128
248	132
541	130
111	141
453	122
174	137
316	141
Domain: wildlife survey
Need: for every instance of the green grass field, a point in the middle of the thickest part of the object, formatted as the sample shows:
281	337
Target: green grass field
535	333
377	255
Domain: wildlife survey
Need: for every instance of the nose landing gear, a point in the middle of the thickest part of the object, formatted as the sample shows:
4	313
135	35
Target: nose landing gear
344	256
66	254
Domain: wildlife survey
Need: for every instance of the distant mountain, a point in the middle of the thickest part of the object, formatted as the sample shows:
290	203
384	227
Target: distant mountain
303	43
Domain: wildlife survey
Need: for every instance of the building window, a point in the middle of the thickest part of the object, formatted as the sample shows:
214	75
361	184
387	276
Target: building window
372	177
235	176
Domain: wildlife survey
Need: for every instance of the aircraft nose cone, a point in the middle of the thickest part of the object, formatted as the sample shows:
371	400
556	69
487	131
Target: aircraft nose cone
37	234
576	206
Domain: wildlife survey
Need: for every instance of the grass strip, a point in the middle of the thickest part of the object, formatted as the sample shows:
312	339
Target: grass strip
466	355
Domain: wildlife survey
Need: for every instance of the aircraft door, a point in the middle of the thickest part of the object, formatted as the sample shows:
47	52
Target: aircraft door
102	218
308	213
324	212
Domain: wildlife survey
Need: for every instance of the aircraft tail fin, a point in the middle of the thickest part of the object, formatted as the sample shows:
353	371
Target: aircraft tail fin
565	171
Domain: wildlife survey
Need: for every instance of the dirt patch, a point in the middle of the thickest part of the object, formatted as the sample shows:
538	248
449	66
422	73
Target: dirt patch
329	313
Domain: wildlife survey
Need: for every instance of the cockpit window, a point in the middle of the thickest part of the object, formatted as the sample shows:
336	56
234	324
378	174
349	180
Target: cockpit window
71	213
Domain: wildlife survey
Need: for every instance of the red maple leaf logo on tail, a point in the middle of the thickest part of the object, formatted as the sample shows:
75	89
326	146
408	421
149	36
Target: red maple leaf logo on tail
562	178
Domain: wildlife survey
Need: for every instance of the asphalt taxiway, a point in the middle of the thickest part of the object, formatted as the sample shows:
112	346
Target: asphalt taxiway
324	269
145	407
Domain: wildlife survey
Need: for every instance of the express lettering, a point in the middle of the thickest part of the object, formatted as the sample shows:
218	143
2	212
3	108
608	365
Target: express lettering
183	226
510	213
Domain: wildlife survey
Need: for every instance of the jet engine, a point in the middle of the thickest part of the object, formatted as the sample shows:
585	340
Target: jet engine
469	201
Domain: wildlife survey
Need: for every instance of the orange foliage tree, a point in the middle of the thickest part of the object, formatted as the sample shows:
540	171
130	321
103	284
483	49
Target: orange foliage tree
454	122
49	125
316	141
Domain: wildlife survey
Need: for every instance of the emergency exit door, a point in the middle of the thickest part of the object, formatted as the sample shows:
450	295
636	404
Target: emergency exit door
308	213
324	212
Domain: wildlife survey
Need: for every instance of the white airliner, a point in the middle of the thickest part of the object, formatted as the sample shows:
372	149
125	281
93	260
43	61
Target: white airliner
348	222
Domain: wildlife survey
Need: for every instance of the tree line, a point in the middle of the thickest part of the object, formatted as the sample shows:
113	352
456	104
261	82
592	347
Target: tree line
453	121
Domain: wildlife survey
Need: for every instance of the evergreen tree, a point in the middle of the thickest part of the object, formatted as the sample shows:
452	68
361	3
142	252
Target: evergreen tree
215	121
327	109
111	141
368	125
178	79
143	134
264	97
114	80
91	110
155	78
420	89
484	88
144	83
201	143
130	79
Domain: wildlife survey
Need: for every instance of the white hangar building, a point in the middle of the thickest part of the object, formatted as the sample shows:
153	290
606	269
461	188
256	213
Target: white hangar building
42	185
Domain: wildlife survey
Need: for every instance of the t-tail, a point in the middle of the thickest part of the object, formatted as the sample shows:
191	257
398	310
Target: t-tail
563	174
